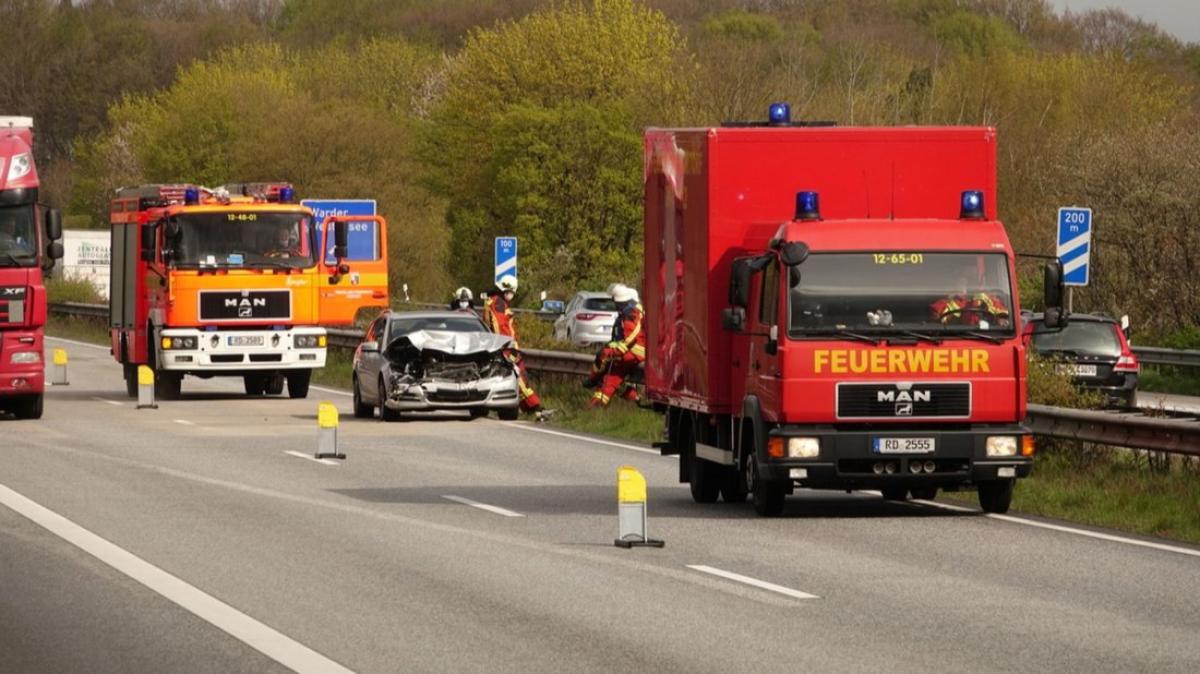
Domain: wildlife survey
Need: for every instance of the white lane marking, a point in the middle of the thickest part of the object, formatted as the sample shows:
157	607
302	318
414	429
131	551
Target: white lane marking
310	457
183	422
329	390
106	400
597	441
482	506
772	587
271	643
77	343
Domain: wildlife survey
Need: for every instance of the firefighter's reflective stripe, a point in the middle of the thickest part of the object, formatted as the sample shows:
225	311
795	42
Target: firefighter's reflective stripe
639	351
599	397
949	309
993	306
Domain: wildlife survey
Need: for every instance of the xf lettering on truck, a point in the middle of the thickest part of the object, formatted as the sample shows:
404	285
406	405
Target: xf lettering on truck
901	361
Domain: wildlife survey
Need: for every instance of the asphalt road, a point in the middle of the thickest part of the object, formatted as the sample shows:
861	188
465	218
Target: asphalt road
188	538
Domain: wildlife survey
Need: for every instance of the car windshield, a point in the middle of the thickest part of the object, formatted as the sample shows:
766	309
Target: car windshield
1081	338
246	239
895	292
18	237
404	326
600	304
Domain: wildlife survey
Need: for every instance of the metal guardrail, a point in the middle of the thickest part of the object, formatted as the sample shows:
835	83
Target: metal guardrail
1177	436
1153	355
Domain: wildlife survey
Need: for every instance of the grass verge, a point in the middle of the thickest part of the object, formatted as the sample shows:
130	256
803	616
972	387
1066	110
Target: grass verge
1168	380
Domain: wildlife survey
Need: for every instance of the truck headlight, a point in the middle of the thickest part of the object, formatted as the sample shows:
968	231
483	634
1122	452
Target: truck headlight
310	341
1001	445
803	448
19	166
178	343
25	357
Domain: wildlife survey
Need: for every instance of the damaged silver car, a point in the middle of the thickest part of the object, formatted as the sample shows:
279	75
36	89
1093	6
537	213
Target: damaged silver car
433	360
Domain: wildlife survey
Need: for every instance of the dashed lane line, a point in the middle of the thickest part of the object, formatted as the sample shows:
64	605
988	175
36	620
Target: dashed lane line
310	457
482	506
761	584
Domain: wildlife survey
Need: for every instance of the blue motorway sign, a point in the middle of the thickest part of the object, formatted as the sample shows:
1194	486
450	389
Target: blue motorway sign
1075	244
506	256
363	240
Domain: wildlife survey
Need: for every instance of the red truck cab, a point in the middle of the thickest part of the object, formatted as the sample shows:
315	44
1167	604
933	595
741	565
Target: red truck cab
833	308
29	233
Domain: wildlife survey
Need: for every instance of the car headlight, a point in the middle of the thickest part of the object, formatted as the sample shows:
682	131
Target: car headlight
20	357
803	448
1001	445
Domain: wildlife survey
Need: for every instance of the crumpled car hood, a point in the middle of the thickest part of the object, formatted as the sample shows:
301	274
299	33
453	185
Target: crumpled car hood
454	343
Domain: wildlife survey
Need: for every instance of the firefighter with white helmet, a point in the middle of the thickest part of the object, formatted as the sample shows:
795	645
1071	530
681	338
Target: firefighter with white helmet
624	354
462	299
498	315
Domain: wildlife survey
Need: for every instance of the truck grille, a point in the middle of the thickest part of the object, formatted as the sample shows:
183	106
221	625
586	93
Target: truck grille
886	400
12	304
245	305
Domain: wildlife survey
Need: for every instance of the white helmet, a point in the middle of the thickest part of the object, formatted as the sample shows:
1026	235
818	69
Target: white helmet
507	283
623	293
463	293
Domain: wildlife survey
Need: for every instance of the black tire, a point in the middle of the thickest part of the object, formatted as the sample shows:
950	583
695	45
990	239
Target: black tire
29	407
255	384
895	493
733	485
924	493
361	410
477	412
996	496
509	414
298	383
131	380
274	383
706	480
768	497
386	414
167	385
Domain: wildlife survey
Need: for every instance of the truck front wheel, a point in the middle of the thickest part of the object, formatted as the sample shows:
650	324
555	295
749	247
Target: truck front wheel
995	496
298	382
168	385
131	380
767	496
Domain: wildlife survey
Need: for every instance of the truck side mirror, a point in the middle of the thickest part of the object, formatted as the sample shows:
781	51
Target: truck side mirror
772	345
793	253
341	237
733	319
739	284
149	241
1053	285
54	227
54	250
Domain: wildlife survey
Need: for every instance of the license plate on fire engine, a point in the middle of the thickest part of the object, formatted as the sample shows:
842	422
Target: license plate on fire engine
903	445
246	340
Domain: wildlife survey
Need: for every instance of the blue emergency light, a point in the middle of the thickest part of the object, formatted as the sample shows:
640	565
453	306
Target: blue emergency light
286	194
780	114
191	195
972	205
808	206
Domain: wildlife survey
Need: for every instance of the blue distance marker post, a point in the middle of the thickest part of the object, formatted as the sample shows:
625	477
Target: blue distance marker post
1075	247
506	257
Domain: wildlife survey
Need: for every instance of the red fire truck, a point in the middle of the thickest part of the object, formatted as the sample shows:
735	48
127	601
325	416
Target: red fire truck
29	233
234	281
834	308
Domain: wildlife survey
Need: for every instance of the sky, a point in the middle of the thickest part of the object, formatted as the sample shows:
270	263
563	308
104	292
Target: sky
1180	18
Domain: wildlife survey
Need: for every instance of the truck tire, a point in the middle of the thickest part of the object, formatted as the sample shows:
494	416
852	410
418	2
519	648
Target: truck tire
29	407
275	382
255	384
768	497
894	493
706	480
131	380
361	410
297	384
995	496
167	385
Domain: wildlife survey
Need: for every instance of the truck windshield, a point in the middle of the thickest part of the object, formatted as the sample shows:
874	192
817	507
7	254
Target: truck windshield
893	292
18	237
246	239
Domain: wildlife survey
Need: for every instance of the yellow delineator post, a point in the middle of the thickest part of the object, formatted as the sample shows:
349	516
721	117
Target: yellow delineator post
60	368
327	426
146	388
631	510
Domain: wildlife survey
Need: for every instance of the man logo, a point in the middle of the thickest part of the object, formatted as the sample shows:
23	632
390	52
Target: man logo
904	396
246	312
246	303
904	409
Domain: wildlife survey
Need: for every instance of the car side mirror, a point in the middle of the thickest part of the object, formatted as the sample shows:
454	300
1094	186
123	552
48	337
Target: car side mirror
369	347
54	227
733	319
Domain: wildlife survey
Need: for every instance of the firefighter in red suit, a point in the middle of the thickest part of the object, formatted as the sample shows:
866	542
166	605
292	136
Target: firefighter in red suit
970	307
498	316
625	353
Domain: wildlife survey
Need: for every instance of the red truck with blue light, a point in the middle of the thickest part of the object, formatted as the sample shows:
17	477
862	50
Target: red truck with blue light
834	308
29	245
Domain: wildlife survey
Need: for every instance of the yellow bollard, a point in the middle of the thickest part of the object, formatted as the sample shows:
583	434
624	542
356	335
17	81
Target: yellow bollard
327	426
146	388
631	510
60	368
